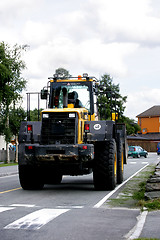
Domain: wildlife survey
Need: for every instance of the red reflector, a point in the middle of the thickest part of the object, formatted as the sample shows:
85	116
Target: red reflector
29	128
84	147
30	147
86	127
56	101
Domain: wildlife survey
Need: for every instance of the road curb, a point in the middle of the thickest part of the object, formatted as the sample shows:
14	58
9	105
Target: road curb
135	232
8	170
8	174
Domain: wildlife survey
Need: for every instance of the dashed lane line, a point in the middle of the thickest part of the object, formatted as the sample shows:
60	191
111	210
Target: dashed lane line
3	209
22	205
137	162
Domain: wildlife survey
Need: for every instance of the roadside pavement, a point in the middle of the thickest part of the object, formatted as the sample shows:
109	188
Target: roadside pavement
9	170
147	224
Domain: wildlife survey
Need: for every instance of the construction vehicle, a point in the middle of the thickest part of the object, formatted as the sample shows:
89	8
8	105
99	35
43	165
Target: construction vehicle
69	139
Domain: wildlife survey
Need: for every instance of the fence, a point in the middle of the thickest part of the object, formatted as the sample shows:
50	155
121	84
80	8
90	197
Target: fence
150	146
3	155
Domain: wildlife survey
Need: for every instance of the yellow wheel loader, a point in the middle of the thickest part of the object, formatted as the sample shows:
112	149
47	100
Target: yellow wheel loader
69	139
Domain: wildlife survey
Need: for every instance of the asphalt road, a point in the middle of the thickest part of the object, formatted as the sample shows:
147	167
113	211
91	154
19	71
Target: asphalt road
72	210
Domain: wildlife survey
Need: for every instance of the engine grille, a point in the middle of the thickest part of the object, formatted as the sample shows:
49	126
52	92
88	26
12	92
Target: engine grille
59	128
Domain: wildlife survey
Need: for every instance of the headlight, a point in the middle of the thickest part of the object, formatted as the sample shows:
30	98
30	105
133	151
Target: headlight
45	115
72	115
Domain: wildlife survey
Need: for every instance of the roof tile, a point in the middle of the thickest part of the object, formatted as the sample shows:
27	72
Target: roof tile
151	112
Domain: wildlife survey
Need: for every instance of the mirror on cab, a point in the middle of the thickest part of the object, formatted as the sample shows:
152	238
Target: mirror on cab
44	93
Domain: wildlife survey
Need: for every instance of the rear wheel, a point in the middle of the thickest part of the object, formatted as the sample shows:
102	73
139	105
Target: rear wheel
105	165
30	178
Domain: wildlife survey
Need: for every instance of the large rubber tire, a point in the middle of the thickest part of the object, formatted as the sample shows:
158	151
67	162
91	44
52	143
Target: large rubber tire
105	165
30	178
120	160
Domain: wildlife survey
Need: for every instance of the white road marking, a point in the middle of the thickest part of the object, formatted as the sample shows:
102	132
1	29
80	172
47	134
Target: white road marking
70	207
99	204
37	219
135	232
133	162
3	209
22	205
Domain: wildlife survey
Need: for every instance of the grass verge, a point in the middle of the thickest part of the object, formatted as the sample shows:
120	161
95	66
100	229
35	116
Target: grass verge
7	164
133	193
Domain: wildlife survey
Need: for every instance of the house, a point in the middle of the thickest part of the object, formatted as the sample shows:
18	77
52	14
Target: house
149	121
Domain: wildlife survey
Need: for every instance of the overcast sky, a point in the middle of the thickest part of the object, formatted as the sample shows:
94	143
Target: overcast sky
117	37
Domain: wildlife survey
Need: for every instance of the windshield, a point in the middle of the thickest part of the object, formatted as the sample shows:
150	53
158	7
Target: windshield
70	93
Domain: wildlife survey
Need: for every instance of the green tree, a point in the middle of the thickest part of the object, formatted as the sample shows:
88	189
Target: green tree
109	98
62	72
132	126
34	114
16	115
11	84
111	101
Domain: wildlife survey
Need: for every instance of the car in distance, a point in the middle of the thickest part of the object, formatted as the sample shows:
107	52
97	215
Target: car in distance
137	151
158	148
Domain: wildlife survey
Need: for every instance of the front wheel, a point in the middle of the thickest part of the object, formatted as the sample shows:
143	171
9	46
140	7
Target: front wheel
105	165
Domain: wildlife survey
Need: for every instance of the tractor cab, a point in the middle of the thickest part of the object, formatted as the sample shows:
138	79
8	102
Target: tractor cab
73	92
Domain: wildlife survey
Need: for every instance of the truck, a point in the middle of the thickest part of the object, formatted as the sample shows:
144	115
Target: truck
70	139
